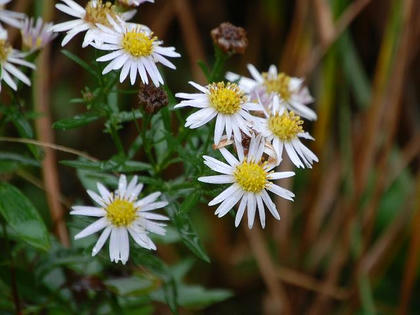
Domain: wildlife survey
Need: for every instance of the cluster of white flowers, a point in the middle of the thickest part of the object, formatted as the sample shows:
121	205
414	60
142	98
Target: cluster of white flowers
34	37
133	48
264	113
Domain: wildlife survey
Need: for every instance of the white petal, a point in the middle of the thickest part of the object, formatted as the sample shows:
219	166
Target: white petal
241	210
280	175
88	211
217	165
149	199
229	157
92	228
122	186
101	240
228	203
219	127
217	179
261	210
284	193
270	204
153	206
124	245
251	208
227	193
154	216
292	155
106	195
95	197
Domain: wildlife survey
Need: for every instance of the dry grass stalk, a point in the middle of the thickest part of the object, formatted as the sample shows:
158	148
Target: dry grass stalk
45	134
268	271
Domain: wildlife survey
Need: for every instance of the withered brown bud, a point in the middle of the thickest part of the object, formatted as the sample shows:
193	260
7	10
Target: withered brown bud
152	98
230	38
246	140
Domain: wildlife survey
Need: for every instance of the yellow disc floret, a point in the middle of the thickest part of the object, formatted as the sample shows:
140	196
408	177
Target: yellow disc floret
121	212
138	43
5	50
278	84
285	126
97	12
226	98
250	176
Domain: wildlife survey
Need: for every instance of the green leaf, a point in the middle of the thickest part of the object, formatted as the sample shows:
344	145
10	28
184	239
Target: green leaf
158	267
76	121
19	159
131	286
25	130
197	296
80	62
22	217
190	202
111	165
124	116
188	235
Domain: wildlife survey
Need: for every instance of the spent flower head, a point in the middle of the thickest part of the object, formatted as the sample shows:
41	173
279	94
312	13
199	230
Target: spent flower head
230	38
152	98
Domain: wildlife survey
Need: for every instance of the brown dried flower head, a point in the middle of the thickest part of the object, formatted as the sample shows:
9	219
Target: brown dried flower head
230	38
152	98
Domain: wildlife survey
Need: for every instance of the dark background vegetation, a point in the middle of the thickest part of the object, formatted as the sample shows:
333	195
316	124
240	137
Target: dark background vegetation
350	242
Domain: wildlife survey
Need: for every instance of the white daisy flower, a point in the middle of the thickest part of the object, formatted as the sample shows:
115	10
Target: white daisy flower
264	86
121	214
36	35
10	17
87	18
10	57
250	178
134	50
134	2
283	129
227	102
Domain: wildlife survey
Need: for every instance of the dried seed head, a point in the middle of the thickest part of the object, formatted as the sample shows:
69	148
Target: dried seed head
230	38
152	98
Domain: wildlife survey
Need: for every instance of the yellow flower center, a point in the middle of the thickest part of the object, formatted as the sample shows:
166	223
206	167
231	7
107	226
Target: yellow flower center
97	11
251	176
226	98
5	50
279	85
285	126
121	212
138	44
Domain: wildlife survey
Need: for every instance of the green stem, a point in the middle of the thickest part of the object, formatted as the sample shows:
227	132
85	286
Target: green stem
146	144
217	71
117	141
